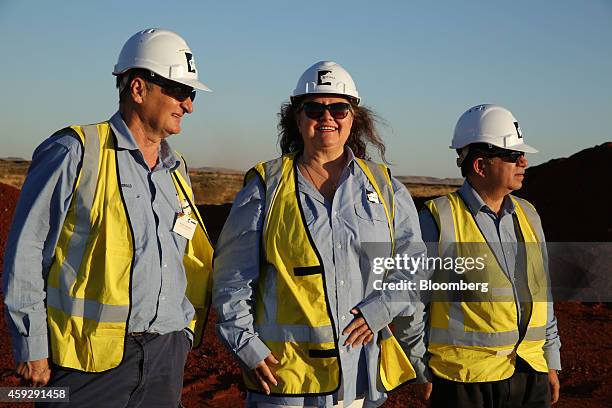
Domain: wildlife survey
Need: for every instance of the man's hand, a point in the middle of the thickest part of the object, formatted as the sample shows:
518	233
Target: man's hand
555	386
359	332
37	372
263	374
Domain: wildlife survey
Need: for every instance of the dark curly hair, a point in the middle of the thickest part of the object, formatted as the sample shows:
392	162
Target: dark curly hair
363	131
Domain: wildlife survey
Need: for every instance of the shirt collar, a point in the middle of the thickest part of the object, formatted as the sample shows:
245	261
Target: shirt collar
126	141
167	156
350	157
475	203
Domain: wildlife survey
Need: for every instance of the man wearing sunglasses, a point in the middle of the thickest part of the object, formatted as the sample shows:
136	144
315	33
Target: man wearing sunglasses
498	348
107	267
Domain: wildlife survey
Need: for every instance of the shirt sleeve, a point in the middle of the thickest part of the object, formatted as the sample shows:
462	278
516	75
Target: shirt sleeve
42	207
411	331
382	306
552	345
236	270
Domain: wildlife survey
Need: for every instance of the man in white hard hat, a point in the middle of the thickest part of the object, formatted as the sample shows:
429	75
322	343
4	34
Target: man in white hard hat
107	266
497	347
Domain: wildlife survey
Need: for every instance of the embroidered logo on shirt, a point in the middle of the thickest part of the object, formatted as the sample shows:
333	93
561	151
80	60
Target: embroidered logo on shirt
126	185
372	197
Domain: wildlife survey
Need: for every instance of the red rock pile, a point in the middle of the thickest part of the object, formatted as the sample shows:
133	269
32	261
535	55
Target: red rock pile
573	195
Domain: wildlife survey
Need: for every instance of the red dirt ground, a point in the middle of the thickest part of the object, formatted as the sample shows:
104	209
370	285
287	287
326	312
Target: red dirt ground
212	376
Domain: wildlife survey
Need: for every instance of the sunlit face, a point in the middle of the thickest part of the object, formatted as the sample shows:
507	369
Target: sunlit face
506	175
162	112
325	133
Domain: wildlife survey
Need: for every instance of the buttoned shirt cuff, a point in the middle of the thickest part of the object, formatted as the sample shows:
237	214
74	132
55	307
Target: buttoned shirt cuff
553	359
375	314
253	352
30	348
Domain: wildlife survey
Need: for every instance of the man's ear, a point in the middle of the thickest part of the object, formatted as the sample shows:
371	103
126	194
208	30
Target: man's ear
479	166
138	89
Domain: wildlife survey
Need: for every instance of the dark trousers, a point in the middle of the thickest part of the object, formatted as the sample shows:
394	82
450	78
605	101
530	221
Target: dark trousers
526	388
150	375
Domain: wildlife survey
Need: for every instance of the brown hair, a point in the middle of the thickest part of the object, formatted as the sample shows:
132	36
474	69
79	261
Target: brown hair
363	131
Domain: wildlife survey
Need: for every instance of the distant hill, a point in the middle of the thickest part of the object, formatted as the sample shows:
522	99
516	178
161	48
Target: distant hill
430	180
216	185
13	171
216	170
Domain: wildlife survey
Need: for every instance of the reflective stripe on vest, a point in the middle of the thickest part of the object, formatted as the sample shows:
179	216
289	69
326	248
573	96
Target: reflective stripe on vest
292	313
478	340
88	286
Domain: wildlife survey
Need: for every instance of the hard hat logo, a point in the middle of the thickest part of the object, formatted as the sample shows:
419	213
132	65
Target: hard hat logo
518	130
190	62
325	77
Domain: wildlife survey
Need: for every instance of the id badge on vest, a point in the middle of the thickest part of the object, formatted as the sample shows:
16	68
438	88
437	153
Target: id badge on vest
184	225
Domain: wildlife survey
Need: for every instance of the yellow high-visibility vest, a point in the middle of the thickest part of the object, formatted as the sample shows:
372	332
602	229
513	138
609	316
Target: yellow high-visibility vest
478	340
292	314
89	283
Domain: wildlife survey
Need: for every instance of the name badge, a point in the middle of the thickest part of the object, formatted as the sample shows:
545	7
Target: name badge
185	226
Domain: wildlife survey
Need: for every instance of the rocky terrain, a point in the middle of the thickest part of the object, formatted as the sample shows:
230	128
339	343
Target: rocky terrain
574	204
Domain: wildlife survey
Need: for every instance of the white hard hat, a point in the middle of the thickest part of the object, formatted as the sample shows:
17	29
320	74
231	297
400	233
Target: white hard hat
163	52
326	77
490	124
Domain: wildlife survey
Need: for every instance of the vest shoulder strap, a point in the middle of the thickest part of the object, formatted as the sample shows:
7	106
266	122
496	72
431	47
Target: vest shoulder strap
93	138
257	171
69	131
182	168
269	174
531	214
380	175
442	212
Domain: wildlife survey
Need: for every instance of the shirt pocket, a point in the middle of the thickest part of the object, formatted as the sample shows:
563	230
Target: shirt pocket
371	221
138	209
367	210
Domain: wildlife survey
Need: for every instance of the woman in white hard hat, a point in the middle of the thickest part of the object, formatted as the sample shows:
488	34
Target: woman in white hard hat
298	301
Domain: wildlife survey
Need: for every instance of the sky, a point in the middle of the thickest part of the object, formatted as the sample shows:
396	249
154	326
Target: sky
418	64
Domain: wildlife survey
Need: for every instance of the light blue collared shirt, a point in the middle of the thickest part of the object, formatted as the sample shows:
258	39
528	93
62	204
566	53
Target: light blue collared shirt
159	304
500	231
339	228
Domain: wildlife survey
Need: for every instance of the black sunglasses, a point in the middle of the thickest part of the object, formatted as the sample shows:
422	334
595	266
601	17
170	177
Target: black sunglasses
509	156
173	89
315	110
